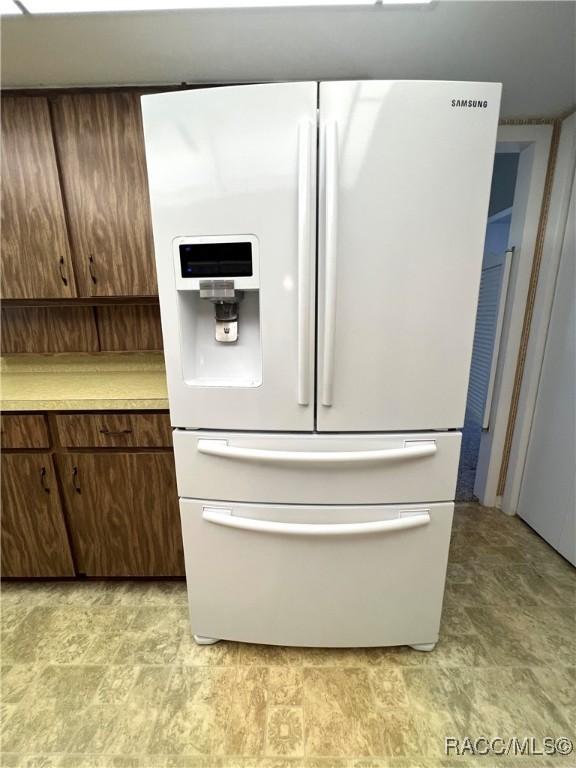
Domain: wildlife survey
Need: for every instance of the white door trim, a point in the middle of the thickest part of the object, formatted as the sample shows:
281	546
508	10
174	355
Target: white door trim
533	143
558	212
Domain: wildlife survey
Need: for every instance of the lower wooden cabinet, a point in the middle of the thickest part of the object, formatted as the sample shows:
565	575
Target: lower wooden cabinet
34	537
123	513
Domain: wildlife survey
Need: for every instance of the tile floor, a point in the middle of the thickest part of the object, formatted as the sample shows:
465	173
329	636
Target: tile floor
106	675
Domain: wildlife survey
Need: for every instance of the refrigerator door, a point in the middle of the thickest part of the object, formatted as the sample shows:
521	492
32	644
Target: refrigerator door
317	469
405	170
316	576
232	171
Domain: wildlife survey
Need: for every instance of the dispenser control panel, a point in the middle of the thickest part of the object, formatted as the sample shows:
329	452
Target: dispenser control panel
218	258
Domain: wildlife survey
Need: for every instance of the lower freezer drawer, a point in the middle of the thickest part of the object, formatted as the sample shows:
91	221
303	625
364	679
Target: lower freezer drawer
328	576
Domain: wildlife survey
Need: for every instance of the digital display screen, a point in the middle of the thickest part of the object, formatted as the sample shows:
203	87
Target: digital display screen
216	259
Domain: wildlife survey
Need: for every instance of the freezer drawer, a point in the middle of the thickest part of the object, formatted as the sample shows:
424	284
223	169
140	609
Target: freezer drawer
317	469
316	576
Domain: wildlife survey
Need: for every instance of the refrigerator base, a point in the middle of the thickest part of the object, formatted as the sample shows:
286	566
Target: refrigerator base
200	640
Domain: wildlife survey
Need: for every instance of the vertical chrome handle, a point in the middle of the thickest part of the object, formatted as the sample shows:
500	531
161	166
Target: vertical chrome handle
305	184
330	254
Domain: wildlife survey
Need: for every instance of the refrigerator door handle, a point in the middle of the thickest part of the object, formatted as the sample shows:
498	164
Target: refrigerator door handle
410	519
410	450
305	187
330	255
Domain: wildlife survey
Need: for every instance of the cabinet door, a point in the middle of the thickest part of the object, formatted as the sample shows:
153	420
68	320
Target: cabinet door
36	260
101	153
403	206
34	538
123	510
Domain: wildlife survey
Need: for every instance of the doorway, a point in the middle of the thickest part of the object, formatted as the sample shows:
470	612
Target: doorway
496	266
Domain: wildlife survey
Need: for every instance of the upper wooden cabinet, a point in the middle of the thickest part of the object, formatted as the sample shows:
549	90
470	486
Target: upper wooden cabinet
100	147
35	251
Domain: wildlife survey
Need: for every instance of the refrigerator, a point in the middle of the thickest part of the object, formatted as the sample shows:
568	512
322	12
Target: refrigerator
318	251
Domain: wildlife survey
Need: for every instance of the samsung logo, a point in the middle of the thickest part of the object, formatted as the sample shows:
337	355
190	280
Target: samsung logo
469	103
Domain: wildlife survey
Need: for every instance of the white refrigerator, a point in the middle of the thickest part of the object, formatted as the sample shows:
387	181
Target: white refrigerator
318	250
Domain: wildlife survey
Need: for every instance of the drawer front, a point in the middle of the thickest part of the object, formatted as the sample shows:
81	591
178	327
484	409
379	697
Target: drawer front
24	432
316	576
118	430
317	469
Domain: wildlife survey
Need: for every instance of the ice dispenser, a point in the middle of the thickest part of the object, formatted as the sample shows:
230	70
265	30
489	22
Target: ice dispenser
217	282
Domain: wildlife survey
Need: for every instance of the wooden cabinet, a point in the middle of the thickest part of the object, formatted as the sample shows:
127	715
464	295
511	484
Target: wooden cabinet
24	432
100	146
123	512
34	538
114	430
87	505
75	210
36	260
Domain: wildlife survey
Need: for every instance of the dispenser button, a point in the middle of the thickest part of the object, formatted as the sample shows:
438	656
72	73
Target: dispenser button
226	331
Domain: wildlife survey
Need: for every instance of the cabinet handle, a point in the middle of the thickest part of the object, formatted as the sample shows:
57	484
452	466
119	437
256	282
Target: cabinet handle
43	474
61	268
106	431
75	482
91	265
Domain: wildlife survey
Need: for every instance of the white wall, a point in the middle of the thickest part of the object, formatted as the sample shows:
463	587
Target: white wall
529	46
548	490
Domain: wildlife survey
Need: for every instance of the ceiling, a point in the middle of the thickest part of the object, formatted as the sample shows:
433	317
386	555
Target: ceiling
529	46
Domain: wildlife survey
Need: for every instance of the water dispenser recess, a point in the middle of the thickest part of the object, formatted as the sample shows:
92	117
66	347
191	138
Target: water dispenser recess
217	282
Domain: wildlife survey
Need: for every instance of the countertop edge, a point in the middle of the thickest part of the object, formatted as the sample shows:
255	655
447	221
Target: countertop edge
34	406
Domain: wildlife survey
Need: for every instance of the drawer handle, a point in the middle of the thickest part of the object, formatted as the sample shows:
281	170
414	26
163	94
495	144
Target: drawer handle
412	518
43	474
75	482
411	450
106	431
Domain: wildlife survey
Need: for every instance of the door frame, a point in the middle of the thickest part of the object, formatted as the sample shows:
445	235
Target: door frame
533	142
559	203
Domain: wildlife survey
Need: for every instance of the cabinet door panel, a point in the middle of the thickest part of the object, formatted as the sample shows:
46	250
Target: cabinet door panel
34	538
48	329
101	151
36	259
123	511
24	431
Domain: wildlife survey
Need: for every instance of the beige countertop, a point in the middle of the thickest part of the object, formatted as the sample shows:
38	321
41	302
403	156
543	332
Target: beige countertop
83	382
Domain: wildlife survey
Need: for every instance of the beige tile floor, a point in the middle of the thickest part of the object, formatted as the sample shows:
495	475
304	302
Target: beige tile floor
106	675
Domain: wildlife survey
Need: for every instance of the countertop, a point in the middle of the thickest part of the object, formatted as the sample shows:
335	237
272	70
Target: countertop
83	382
